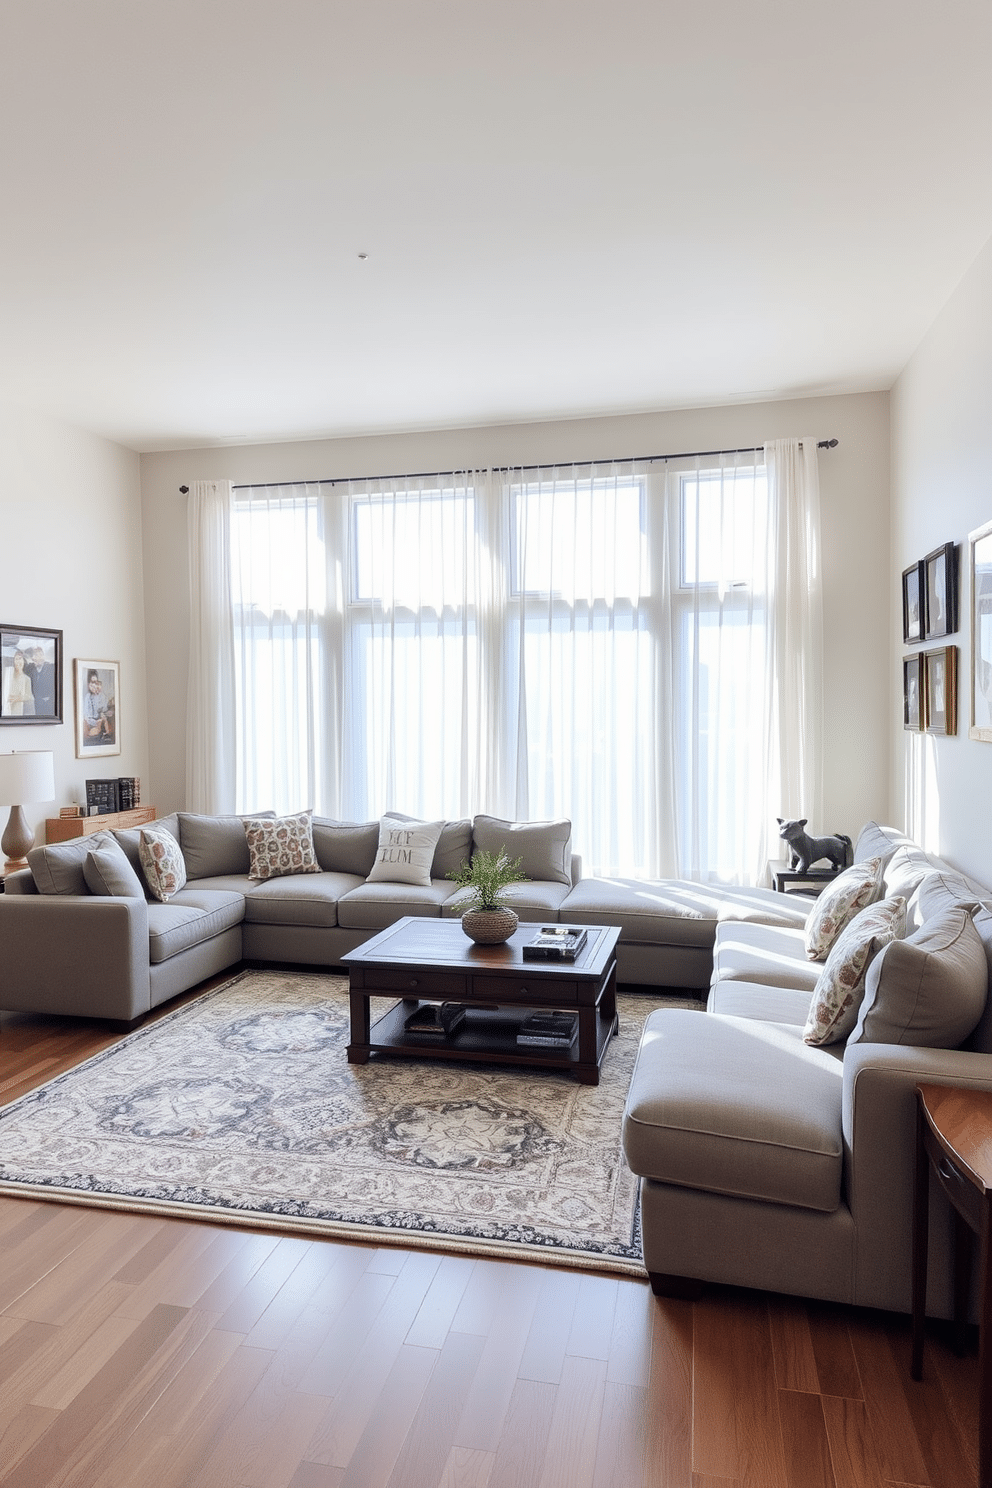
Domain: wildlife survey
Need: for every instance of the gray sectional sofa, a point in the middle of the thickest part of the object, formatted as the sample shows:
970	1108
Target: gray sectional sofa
66	949
768	1162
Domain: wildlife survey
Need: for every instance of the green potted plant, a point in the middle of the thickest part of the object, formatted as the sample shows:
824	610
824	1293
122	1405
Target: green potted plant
487	918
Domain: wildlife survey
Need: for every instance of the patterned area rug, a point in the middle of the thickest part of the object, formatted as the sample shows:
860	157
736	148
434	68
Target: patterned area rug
241	1107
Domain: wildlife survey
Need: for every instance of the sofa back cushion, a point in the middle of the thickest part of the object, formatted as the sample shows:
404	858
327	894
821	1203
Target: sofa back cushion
345	847
905	871
879	842
928	990
545	848
59	867
214	846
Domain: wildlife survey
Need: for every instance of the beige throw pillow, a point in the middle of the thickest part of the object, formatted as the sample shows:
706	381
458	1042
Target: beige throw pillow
837	997
848	894
405	852
162	862
280	845
109	874
927	991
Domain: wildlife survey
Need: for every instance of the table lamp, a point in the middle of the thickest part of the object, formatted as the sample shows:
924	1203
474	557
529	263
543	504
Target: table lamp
29	776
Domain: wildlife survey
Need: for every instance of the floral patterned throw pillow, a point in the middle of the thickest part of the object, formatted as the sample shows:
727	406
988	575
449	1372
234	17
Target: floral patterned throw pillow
850	893
840	990
162	862
280	845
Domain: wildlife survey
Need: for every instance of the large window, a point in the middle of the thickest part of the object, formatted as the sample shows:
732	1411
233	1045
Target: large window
591	642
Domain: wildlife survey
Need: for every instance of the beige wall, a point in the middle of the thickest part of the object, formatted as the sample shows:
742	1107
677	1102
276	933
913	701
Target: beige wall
854	482
71	543
941	491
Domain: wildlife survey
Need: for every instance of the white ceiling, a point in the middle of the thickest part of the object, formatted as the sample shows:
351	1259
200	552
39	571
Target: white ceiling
569	207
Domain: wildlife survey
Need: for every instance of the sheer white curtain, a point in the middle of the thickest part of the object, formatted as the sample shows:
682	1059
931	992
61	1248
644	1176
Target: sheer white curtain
741	657
211	734
286	590
634	646
579	713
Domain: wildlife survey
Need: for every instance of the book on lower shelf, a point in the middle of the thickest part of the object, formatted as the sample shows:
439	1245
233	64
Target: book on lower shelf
552	1029
435	1020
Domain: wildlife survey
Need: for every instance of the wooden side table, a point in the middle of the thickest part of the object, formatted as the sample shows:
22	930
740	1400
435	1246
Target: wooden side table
65	828
954	1138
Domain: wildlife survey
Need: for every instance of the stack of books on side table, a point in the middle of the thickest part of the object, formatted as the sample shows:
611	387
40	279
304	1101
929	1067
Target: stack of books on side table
435	1020
549	1030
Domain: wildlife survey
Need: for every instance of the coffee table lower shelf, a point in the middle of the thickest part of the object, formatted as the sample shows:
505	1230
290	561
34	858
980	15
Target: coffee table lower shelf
487	1036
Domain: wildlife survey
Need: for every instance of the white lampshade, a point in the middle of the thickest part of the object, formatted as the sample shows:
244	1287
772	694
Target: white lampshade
26	778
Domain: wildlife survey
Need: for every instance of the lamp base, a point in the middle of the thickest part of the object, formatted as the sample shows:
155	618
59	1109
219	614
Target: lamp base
17	840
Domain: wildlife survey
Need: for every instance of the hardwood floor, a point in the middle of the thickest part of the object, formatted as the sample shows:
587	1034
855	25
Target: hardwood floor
143	1351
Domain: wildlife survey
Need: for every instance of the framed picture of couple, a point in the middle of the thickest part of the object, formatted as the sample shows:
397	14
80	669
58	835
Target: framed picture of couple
30	675
98	691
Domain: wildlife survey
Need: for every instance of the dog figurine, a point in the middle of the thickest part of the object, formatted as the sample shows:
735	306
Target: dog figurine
805	850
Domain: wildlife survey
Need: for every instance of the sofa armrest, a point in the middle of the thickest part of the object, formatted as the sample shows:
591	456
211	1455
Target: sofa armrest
575	868
879	1120
83	955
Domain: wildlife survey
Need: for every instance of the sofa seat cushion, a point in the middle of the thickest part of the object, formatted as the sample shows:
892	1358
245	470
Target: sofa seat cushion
736	1107
533	900
191	916
373	906
673	911
754	1000
307	900
772	954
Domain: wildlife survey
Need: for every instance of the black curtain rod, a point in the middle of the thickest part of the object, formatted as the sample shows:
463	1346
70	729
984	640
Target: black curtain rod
344	480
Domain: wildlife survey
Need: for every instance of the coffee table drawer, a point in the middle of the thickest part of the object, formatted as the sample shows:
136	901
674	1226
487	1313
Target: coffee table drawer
415	983
519	988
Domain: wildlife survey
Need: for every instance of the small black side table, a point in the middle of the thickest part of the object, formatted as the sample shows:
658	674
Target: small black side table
954	1139
815	879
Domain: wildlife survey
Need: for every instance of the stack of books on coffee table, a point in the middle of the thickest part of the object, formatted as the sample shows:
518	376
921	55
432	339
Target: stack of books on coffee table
549	1030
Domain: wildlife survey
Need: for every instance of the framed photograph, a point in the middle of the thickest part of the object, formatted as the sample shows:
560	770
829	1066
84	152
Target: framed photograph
30	675
913	579
98	692
941	592
912	693
980	566
940	690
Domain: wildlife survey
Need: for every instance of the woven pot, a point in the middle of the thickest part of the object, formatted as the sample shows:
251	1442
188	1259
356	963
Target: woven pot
489	926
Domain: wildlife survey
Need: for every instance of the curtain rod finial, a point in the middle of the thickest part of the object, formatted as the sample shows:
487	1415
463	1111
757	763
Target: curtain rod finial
183	490
828	444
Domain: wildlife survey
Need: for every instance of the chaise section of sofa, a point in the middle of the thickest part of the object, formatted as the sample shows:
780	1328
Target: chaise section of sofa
770	1162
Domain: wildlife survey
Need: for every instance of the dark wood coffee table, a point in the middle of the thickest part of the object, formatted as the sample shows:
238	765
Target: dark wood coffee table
432	961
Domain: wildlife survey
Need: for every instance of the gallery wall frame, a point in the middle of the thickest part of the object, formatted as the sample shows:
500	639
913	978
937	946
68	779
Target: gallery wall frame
940	592
30	675
980	573
913	581
912	693
97	688
939	684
